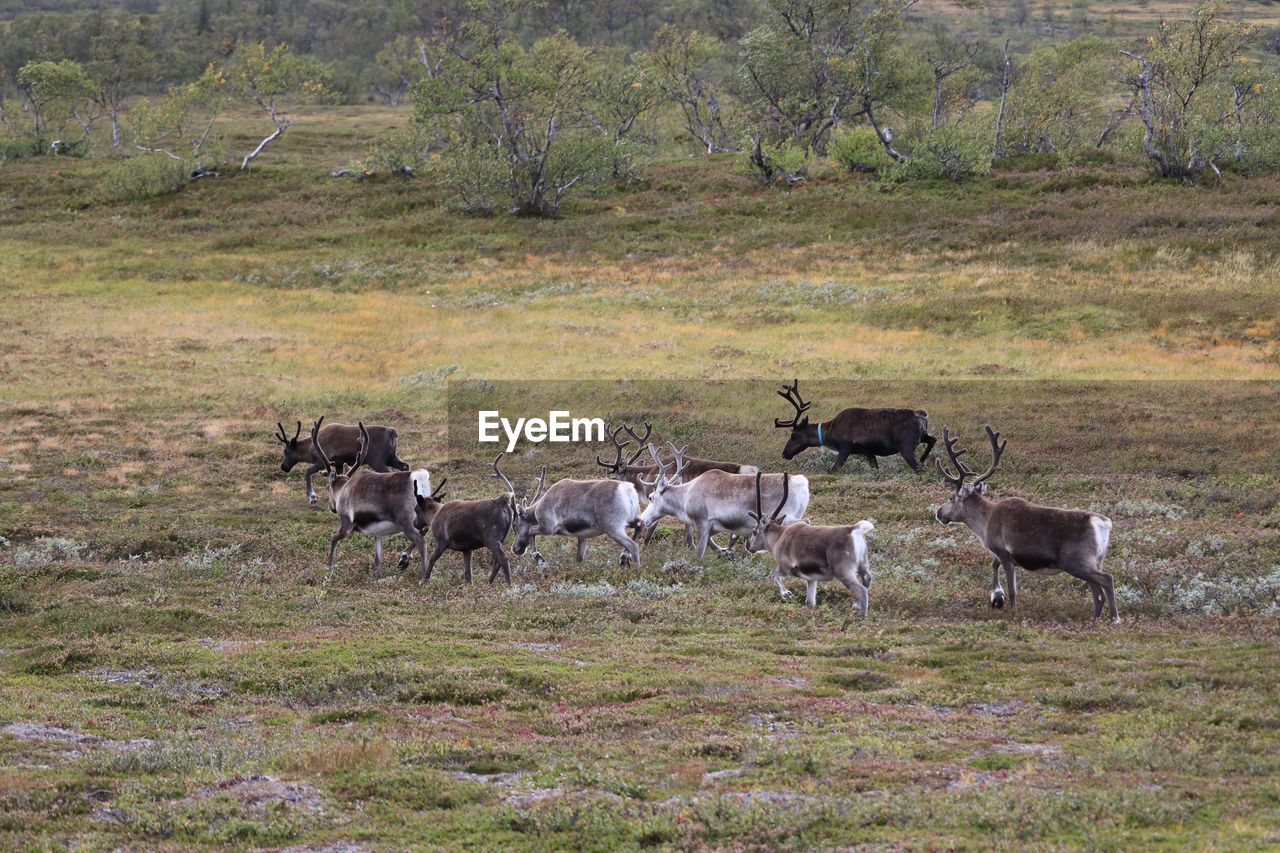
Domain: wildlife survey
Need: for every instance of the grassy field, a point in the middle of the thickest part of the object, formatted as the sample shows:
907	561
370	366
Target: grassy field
177	669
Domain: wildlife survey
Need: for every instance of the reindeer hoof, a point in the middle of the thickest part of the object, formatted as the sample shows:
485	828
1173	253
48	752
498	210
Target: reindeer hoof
787	596
311	499
997	599
404	562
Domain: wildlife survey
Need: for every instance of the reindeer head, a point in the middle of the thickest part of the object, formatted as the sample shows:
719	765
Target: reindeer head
659	488
428	505
967	494
759	540
339	479
524	515
292	454
799	423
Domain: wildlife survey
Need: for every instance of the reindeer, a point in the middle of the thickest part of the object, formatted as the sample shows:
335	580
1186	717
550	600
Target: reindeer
866	432
635	474
468	526
343	442
814	553
715	502
582	509
372	502
1040	539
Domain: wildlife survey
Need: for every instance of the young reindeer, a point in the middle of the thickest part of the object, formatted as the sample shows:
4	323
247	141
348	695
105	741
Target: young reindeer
636	475
371	502
866	432
582	509
1041	539
717	501
814	553
468	526
343	443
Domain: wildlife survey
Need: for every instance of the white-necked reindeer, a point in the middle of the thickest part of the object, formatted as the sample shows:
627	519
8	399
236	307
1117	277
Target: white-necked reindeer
1041	539
371	502
814	553
717	501
637	474
582	509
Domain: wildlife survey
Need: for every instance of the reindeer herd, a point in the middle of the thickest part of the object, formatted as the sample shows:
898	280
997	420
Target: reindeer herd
705	496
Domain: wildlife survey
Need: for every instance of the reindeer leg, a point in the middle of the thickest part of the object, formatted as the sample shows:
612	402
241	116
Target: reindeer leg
811	594
1011	580
929	442
466	566
431	564
311	472
840	460
499	562
630	550
688	536
582	549
1099	599
648	533
377	555
872	461
703	536
997	594
908	454
857	586
777	580
344	530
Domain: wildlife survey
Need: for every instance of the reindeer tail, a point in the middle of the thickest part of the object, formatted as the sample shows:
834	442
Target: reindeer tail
864	527
421	483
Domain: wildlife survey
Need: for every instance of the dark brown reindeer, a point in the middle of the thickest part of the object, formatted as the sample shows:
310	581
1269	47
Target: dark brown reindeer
468	526
372	502
813	553
642	476
866	432
1041	539
342	443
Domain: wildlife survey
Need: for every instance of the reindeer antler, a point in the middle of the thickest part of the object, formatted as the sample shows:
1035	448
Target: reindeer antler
363	452
679	461
997	450
501	476
315	442
640	441
791	393
438	492
786	487
542	481
955	480
617	464
759	513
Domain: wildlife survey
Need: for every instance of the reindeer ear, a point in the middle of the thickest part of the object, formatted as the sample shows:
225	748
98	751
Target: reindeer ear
804	422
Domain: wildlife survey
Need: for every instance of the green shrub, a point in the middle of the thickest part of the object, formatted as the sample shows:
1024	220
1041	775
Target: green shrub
857	149
949	152
14	147
767	163
474	177
144	177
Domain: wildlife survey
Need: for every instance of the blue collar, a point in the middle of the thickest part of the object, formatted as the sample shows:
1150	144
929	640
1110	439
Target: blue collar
820	435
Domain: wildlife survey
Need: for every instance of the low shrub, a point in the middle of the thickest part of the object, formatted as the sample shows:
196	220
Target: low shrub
140	178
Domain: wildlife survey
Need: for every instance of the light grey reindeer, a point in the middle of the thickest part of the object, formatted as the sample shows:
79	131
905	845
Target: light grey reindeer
582	509
717	501
814	553
636	474
378	504
1041	539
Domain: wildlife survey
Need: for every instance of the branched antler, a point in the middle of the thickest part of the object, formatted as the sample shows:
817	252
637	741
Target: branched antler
791	393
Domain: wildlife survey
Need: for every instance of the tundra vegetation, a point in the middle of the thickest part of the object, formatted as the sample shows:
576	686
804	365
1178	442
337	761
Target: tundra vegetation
177	667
